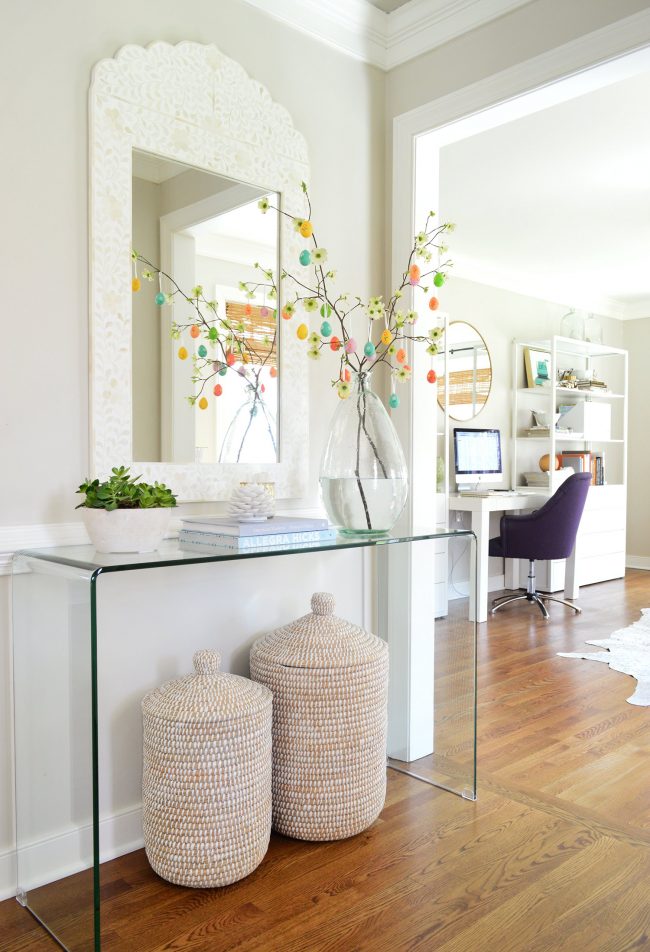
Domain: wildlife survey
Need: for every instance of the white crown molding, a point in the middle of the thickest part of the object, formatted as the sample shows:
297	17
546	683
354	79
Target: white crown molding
423	25
386	40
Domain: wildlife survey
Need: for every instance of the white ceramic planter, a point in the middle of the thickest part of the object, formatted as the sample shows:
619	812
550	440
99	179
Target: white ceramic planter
126	530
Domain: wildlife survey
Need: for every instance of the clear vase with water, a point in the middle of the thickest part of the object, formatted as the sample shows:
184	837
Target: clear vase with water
363	474
251	435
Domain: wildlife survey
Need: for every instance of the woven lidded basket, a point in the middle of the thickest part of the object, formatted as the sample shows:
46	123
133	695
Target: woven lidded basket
206	784
329	680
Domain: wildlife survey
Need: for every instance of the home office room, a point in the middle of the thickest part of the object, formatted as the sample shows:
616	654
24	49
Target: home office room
324	540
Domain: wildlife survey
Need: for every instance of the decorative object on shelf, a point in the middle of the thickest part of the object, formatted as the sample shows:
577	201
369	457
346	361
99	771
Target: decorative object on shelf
545	462
206	779
363	473
251	502
123	514
567	379
593	329
572	325
538	367
628	651
329	680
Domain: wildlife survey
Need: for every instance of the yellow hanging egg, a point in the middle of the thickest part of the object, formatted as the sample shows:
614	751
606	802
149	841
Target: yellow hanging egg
302	332
182	353
135	284
306	229
386	337
203	403
246	357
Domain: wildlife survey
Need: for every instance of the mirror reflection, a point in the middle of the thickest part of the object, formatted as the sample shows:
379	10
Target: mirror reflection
206	231
470	371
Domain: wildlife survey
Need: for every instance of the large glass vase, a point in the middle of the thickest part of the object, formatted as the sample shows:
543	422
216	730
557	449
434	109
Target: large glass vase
250	437
363	475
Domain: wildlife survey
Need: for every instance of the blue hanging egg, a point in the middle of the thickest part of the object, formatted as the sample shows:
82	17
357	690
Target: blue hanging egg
203	351
369	349
393	401
305	257
160	299
326	329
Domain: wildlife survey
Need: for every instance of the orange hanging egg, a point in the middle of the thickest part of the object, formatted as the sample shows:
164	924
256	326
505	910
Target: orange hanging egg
434	304
335	344
414	274
230	358
345	375
273	371
400	356
195	331
218	390
431	376
248	310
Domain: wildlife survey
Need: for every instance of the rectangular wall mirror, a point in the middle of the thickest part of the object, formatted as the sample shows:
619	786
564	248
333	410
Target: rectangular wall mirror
183	145
202	229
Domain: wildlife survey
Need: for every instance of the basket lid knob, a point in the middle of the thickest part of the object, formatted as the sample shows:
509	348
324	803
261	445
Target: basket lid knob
322	603
206	661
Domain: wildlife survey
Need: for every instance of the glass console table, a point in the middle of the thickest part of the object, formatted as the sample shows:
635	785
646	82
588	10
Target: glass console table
63	822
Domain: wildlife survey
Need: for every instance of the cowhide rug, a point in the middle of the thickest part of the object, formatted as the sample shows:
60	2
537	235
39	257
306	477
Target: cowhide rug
628	652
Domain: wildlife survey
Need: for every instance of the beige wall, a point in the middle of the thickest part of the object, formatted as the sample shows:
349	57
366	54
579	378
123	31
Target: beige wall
636	338
48	51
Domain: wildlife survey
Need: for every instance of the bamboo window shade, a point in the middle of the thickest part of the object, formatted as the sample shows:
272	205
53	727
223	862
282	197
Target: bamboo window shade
461	388
259	330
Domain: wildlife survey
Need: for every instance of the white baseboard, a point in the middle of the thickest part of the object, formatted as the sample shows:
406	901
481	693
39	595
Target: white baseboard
637	562
63	854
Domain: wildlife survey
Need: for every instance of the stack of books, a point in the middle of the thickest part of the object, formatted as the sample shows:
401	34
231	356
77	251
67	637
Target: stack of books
206	533
559	431
543	480
586	462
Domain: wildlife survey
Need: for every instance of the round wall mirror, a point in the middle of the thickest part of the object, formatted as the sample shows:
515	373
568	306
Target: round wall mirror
470	371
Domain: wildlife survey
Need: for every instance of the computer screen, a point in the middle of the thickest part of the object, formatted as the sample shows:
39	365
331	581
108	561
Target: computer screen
477	456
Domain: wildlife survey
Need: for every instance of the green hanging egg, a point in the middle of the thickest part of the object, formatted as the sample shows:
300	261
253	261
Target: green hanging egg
393	401
326	329
213	333
160	299
305	257
439	280
223	371
325	310
203	351
369	349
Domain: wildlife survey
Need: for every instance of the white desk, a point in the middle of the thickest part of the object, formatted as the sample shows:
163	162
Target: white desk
480	508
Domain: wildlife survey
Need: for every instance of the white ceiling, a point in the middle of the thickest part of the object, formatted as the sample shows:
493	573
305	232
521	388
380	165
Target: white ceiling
388	6
557	204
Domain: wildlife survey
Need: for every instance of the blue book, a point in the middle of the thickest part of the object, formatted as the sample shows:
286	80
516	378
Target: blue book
212	540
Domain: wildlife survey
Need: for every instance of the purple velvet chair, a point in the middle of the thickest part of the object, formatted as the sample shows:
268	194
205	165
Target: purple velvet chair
546	533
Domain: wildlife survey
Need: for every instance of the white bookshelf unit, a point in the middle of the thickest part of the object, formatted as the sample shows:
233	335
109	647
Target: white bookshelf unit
600	546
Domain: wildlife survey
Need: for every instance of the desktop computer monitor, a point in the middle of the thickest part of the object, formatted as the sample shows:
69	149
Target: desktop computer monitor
477	456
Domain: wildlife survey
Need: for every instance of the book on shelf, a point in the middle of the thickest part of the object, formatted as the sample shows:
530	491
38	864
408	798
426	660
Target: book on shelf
543	480
562	431
207	541
226	526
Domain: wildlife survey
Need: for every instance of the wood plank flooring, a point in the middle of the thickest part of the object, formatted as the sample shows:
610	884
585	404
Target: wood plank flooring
554	855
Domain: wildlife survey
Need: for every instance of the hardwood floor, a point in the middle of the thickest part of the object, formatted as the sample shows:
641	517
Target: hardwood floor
554	854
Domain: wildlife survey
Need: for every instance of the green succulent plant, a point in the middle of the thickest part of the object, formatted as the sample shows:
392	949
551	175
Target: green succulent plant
122	491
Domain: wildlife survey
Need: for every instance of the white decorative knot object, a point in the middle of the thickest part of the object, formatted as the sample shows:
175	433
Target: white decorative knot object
251	503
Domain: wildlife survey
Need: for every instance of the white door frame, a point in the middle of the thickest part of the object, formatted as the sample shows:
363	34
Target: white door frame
554	76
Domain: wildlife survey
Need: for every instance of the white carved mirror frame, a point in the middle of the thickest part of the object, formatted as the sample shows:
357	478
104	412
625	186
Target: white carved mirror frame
193	104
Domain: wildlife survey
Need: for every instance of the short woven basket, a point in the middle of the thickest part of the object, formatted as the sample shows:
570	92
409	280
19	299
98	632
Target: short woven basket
206	785
329	680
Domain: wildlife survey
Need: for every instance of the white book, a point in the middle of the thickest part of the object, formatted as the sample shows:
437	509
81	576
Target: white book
225	525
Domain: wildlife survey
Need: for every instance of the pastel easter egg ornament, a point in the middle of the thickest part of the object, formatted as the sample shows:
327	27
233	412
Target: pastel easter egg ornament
203	403
335	344
369	349
304	258
264	311
326	328
434	304
439	279
306	229
273	371
393	401
202	351
182	353
135	285
302	332
218	390
414	274
160	299
195	331
350	346
230	358
400	356
431	376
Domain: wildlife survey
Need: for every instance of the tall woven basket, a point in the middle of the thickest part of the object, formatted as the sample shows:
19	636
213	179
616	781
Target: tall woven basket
206	786
329	680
